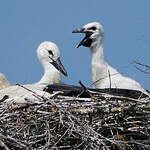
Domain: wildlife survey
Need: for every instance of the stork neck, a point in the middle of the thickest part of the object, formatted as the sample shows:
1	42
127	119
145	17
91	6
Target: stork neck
51	74
98	64
97	51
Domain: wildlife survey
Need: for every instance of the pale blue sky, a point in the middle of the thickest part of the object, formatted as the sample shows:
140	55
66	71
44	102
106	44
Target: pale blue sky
24	24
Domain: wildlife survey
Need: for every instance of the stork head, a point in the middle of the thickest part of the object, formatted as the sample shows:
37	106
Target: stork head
49	52
92	33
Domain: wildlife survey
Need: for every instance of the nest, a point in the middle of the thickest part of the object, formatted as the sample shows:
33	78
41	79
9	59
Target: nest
56	122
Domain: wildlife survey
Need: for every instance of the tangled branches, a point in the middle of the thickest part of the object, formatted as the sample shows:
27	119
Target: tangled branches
103	121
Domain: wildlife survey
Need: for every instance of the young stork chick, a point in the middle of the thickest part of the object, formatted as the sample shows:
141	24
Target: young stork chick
103	75
49	55
3	82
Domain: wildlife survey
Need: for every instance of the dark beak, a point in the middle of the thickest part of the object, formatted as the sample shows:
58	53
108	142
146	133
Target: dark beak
58	65
78	31
86	41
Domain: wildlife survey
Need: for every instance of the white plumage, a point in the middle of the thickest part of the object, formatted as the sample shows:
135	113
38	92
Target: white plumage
49	56
103	75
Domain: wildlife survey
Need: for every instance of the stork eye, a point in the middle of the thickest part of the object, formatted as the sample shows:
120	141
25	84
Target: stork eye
50	52
92	28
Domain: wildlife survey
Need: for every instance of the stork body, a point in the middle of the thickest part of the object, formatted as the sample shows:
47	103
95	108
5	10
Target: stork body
103	75
49	56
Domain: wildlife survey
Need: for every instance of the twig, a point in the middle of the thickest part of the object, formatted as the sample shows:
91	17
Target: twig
84	88
14	140
3	145
142	64
109	79
148	67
